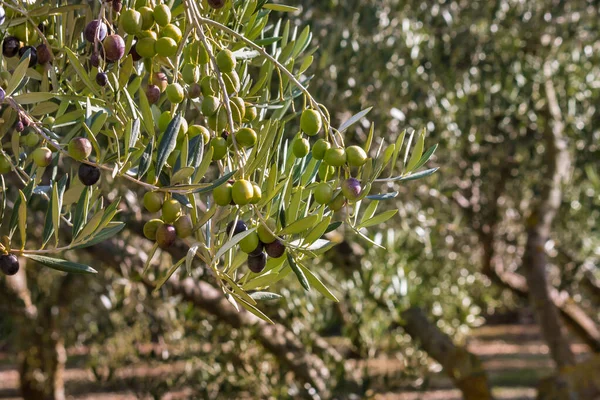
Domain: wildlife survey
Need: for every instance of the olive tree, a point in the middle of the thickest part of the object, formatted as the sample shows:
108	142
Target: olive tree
201	110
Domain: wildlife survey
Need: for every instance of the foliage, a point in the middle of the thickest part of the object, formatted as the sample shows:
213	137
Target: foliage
203	106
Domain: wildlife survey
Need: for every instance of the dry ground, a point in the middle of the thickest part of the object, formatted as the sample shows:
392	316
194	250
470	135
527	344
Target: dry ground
514	356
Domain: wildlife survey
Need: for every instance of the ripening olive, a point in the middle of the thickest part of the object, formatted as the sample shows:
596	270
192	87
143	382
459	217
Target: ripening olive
42	156
256	263
184	226
275	249
165	236
351	189
9	264
79	148
88	174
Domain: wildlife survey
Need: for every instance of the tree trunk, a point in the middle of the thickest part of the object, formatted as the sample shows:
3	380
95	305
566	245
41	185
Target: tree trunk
539	228
462	367
42	356
42	367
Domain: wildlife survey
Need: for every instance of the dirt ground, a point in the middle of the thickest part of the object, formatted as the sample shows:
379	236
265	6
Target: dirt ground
514	356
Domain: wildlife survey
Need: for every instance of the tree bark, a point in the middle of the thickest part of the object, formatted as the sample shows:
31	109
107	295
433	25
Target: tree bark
539	228
465	369
42	353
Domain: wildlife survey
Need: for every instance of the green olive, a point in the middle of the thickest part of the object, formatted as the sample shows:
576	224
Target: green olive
223	194
171	210
310	122
249	243
246	137
226	61
151	227
319	149
153	201
335	157
190	73
131	21
242	192
356	156
175	93
219	146
263	231
300	147
162	14
323	193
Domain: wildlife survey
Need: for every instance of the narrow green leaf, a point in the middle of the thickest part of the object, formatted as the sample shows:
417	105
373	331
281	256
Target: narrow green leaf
19	73
32	98
318	230
255	311
169	273
280	7
378	219
417	152
62	265
300	225
81	211
317	284
234	240
168	143
216	183
333	226
81	71
265	296
299	273
370	211
426	156
354	119
14	218
103	235
146	160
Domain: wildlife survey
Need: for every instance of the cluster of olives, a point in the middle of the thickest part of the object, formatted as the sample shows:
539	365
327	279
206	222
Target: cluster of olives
332	157
172	224
80	149
240	192
259	243
14	45
9	264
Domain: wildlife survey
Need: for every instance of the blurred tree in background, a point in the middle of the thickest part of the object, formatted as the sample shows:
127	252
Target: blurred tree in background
509	91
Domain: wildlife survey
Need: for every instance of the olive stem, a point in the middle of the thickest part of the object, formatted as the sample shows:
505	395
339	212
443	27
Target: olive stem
194	14
272	59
